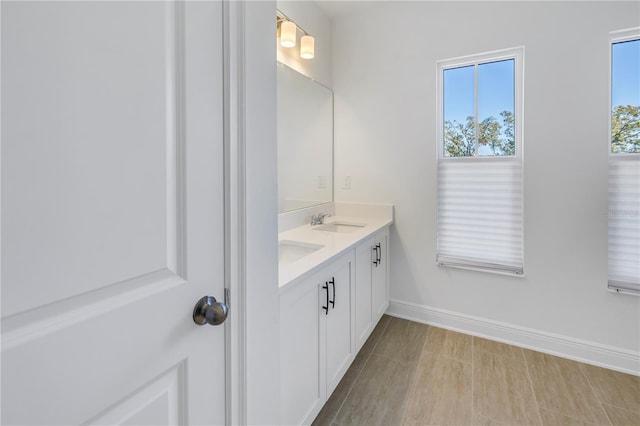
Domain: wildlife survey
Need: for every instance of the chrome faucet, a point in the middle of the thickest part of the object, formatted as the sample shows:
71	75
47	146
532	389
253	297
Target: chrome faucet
319	218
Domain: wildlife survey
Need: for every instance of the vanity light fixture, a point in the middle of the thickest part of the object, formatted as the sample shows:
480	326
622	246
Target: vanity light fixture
288	32
307	47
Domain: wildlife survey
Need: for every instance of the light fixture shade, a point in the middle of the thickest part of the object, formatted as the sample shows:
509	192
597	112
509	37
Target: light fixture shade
288	34
307	47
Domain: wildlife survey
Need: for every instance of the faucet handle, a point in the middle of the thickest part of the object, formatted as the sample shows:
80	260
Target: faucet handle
319	218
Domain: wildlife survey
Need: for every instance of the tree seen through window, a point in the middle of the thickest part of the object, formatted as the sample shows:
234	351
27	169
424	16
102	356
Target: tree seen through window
479	110
625	97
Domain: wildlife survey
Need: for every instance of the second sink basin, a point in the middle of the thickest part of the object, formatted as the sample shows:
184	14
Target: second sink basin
342	227
291	251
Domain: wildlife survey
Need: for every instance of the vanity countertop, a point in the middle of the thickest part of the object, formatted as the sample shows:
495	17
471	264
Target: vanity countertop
334	244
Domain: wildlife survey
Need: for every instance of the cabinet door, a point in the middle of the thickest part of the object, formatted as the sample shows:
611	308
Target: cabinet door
363	307
302	393
379	279
339	350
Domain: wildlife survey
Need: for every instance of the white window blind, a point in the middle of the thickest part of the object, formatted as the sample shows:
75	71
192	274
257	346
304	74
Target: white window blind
480	178
624	163
624	223
480	214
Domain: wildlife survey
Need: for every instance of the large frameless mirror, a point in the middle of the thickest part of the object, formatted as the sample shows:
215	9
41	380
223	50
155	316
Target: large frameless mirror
305	141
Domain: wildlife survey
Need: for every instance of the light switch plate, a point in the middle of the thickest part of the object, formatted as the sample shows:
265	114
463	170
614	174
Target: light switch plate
322	182
347	182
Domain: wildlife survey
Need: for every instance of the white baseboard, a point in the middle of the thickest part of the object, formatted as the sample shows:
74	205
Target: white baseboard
610	357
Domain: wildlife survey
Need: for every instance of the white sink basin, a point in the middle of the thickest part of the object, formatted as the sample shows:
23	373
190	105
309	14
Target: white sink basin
291	251
342	227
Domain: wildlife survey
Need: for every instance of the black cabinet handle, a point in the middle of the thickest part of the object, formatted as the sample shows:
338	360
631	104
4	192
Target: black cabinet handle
333	284
379	253
375	248
326	308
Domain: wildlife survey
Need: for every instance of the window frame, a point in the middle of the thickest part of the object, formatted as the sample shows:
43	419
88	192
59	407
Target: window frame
619	36
517	54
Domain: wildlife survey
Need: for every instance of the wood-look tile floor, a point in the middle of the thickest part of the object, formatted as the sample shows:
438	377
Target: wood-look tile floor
413	374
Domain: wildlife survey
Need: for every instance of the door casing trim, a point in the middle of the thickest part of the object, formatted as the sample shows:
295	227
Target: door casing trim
235	216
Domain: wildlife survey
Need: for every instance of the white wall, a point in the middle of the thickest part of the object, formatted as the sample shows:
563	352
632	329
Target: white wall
309	16
384	77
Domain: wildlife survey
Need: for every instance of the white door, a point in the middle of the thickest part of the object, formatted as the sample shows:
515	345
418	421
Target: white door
337	323
365	255
380	277
301	386
112	212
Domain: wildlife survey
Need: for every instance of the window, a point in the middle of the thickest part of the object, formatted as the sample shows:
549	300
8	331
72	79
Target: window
624	163
480	201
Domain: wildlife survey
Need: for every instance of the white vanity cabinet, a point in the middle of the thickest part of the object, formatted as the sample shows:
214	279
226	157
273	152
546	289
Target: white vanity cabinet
316	338
331	298
371	284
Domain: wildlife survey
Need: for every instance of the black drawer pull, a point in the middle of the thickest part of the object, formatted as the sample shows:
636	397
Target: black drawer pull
333	284
326	308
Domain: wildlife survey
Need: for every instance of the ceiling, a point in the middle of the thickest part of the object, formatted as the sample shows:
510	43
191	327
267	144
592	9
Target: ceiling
335	9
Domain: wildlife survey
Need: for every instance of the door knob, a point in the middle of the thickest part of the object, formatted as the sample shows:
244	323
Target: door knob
209	311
